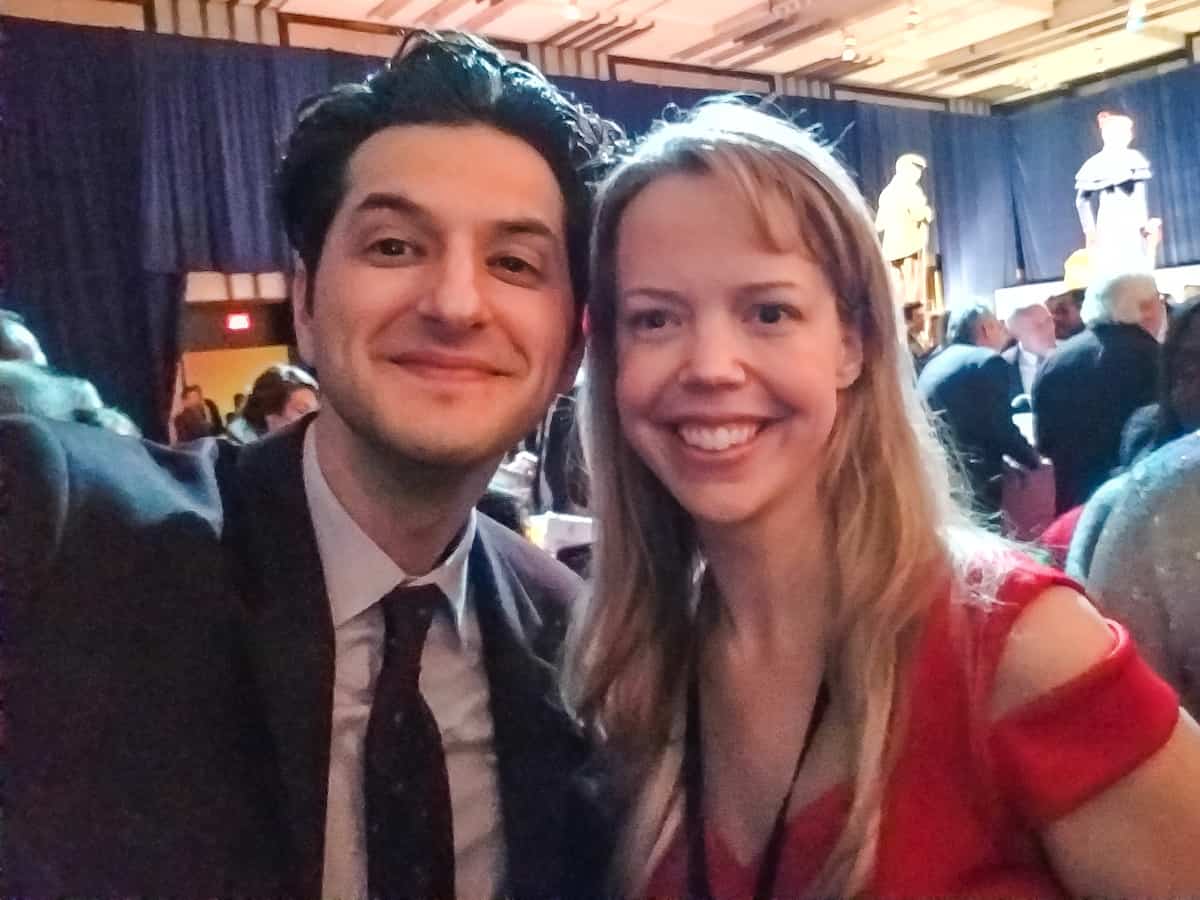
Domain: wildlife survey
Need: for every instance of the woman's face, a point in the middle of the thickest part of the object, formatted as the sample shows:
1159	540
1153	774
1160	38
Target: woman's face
730	352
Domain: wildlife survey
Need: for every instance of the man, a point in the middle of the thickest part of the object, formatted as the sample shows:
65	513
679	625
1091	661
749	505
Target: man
966	386
199	417
1065	310
1087	390
914	325
1033	329
305	668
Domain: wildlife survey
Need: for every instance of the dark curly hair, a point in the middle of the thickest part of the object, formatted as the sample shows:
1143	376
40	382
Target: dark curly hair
443	78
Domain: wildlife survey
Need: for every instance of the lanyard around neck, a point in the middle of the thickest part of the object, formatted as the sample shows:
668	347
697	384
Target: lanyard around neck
698	887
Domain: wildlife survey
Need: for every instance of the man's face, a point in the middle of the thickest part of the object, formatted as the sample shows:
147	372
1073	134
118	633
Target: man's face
1065	314
916	321
193	399
1152	313
1035	329
991	333
443	320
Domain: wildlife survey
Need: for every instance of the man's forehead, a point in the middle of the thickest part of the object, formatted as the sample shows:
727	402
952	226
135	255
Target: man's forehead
472	170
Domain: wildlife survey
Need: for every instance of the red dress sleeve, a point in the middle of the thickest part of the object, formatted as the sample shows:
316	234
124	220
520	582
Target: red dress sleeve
1061	749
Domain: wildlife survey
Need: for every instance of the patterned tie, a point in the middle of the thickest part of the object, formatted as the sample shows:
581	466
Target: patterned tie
410	832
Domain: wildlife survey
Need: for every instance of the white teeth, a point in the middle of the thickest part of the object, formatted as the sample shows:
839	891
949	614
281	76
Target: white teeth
716	439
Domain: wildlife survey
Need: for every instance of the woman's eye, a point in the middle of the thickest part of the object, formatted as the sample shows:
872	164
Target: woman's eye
772	313
650	320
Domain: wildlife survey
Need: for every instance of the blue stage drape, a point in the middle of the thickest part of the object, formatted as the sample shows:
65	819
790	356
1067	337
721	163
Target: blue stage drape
72	170
132	158
215	118
1051	140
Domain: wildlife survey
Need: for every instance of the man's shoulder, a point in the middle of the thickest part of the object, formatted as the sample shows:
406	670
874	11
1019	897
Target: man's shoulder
543	577
57	473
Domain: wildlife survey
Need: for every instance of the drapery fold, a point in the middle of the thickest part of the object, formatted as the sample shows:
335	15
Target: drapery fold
131	159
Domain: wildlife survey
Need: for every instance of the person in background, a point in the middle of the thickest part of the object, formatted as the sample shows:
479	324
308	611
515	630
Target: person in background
199	417
914	327
239	400
1065	309
17	342
966	385
306	667
1145	570
280	395
1086	391
1177	410
1033	330
817	678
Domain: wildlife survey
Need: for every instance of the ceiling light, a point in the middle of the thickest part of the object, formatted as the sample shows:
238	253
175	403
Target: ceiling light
913	17
1136	17
572	11
849	49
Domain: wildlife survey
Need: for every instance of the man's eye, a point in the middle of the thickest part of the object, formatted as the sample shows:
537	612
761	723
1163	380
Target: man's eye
515	265
394	247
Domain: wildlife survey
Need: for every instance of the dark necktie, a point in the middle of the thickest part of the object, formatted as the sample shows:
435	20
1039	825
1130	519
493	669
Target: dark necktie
410	832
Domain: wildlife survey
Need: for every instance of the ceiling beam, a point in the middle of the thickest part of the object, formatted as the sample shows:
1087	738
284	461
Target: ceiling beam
387	9
439	11
623	38
564	35
484	18
1062	38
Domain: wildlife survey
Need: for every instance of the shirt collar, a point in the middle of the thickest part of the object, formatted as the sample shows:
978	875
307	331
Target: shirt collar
358	573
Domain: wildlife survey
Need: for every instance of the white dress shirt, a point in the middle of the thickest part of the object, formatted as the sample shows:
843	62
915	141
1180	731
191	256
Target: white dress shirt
358	574
1027	364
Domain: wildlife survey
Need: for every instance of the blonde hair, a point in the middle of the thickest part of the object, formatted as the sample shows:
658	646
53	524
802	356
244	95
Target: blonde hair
886	494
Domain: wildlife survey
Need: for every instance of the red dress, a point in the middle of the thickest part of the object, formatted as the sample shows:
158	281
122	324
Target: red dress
963	805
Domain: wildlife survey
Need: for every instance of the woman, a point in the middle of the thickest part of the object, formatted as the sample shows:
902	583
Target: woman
281	394
816	676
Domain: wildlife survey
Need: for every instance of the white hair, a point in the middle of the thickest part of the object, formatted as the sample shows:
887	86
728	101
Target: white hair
1110	300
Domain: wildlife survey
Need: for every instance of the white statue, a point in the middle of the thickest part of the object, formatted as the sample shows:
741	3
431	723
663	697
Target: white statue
904	217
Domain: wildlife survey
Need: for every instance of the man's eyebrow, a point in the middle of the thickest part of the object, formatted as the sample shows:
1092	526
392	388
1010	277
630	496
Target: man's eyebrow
392	201
530	225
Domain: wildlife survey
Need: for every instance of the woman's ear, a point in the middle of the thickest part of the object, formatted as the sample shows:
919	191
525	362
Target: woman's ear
850	366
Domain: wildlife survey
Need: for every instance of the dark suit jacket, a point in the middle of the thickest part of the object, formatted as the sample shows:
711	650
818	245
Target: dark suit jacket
169	729
967	388
1083	396
1011	357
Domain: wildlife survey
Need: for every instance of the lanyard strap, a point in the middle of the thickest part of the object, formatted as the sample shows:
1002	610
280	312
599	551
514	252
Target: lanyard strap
693	778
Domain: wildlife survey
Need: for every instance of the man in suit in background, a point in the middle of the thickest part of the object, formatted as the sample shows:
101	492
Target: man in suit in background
1033	329
966	386
1087	391
306	667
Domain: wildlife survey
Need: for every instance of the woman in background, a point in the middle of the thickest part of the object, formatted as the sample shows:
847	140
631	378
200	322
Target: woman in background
282	394
815	674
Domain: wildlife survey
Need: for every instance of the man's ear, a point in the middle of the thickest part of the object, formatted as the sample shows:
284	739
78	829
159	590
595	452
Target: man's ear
301	313
574	358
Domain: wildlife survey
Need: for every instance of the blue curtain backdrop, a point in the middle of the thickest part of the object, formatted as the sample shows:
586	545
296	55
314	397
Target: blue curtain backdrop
1051	140
132	158
72	175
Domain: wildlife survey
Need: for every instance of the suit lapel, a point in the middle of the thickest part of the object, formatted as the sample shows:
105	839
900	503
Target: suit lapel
290	638
538	745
